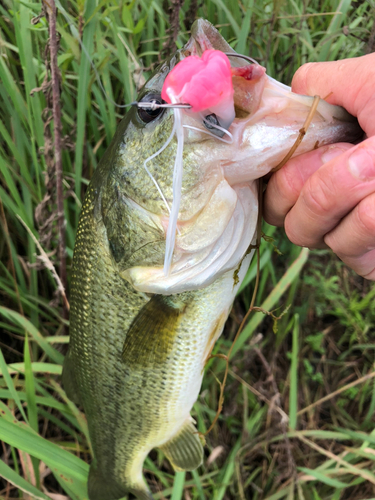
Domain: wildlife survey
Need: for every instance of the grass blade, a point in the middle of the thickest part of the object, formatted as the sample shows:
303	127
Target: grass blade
68	467
12	477
56	356
293	390
178	486
83	85
32	409
36	367
9	382
324	478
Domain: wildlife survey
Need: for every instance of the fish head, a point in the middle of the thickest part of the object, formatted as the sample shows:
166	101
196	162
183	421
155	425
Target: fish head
217	199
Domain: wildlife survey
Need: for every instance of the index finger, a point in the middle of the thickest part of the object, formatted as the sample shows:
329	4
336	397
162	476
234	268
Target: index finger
348	83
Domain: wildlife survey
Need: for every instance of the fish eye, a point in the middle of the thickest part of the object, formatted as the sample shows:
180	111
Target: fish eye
212	124
147	115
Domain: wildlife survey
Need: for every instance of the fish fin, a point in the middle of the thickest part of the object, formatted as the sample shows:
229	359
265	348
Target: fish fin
103	486
68	380
150	337
184	450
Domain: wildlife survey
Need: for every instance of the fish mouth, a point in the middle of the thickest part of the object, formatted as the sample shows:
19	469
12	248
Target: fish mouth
249	78
268	115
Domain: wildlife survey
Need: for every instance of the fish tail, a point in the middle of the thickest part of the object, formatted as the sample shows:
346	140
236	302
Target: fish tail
102	486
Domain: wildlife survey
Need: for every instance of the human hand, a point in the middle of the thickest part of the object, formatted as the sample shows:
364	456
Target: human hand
327	197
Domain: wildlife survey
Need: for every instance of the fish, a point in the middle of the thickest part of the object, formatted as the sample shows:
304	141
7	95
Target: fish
140	336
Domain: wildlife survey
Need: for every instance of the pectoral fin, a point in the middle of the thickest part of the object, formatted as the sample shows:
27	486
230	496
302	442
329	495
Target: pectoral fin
150	337
184	450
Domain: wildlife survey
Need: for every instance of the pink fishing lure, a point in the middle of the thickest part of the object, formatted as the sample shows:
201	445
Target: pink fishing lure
203	82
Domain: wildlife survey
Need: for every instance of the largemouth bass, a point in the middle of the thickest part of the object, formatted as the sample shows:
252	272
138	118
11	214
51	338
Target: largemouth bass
139	336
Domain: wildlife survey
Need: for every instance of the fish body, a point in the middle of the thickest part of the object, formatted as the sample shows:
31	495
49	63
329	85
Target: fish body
140	338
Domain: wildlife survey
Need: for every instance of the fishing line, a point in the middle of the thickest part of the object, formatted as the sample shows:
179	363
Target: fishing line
178	130
177	187
158	152
144	105
154	105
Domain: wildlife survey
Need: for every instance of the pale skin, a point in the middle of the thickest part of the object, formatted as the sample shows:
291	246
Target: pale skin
326	198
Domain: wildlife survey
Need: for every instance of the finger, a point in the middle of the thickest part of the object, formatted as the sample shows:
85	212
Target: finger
348	83
330	194
353	240
284	187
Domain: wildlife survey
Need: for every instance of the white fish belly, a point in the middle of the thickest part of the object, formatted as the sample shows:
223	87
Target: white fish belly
196	338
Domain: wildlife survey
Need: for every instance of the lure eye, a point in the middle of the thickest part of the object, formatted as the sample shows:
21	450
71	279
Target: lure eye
212	124
147	115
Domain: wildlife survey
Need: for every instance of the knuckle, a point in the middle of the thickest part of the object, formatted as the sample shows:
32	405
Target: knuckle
366	215
281	194
370	275
271	211
290	183
362	265
273	219
294	238
292	231
318	195
334	244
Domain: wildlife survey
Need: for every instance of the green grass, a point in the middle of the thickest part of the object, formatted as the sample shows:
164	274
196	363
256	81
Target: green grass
297	423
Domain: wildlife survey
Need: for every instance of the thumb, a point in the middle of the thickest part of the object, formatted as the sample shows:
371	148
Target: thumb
348	83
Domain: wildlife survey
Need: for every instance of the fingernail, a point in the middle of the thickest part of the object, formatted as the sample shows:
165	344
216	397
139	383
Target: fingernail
362	164
331	153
